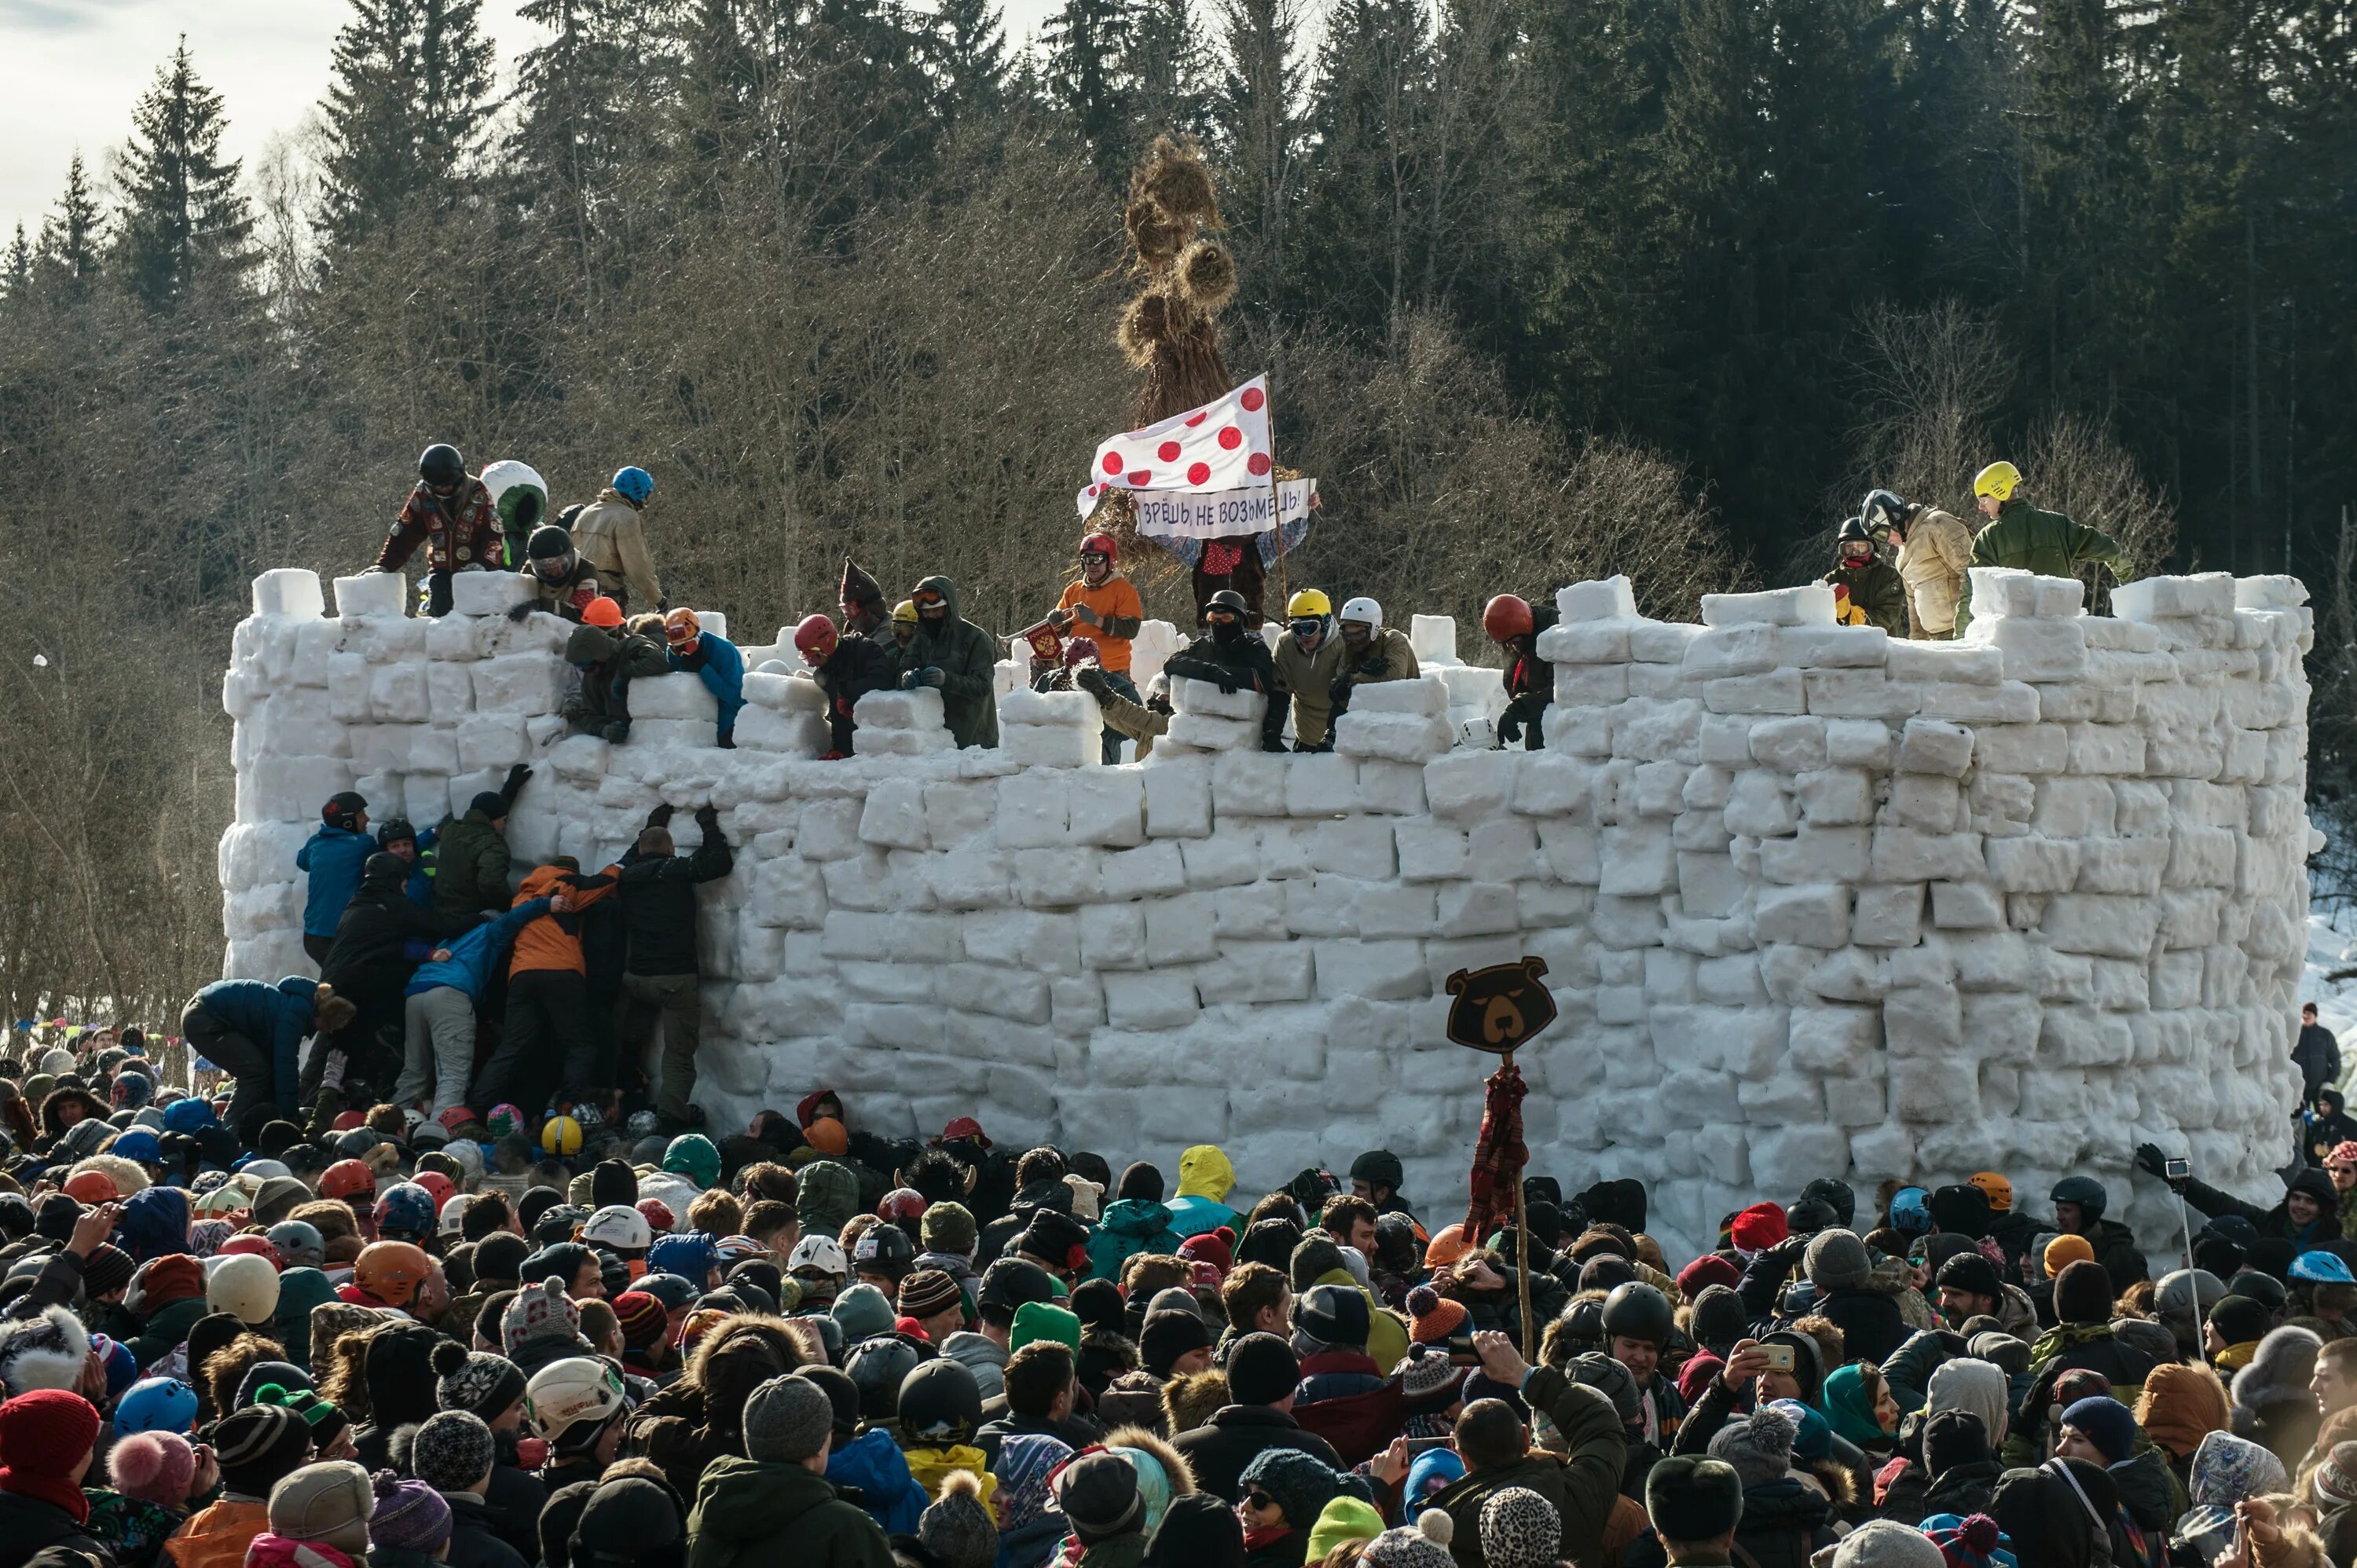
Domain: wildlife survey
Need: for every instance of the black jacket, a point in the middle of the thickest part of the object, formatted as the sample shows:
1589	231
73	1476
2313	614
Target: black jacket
475	1539
658	895
1872	1326
375	928
1241	664
1530	683
1783	1524
2276	1221
30	1526
1220	1450
2318	1057
856	668
515	1500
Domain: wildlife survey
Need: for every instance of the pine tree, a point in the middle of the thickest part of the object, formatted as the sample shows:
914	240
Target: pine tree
969	58
1365	190
405	112
1259	124
182	214
586	97
67	255
1087	48
1169	71
16	270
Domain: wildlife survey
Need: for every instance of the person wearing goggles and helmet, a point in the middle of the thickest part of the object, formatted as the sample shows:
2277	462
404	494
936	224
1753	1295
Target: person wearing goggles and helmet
846	668
1308	661
1934	548
1372	651
450	513
1234	659
956	658
713	659
1866	591
562	584
1105	608
1515	624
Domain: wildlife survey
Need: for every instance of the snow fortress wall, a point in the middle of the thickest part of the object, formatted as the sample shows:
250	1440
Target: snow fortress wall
1812	900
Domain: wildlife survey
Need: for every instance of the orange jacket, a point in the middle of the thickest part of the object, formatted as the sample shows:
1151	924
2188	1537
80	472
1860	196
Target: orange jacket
217	1537
545	943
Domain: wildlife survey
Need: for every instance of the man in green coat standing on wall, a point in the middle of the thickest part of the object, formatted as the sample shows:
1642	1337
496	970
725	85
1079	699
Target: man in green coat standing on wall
2019	534
955	658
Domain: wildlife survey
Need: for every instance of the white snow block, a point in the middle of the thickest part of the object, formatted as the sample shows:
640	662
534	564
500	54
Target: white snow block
1931	745
1999	592
895	742
488	593
289	591
1433	638
521	683
2034	648
1392	736
649	734
1810	605
784	693
2269	593
680	695
1470	784
1192	696
917	710
1209	732
371	594
1426	696
788	735
1076	710
1611	599
1058	746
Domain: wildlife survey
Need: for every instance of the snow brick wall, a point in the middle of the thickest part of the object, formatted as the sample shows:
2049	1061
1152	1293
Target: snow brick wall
1813	901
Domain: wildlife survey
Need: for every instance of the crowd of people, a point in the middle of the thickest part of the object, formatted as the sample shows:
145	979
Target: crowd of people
501	1339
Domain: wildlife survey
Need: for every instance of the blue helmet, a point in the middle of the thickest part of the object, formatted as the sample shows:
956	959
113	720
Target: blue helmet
404	1212
634	485
690	1254
139	1145
156	1405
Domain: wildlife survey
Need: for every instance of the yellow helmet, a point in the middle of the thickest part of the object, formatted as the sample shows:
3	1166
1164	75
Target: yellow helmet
905	612
1996	482
1308	602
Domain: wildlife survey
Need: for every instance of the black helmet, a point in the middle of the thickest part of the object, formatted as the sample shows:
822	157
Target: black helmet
547	541
1379	1167
440	464
2086	1192
1226	599
1835	1195
393	830
1637	1311
940	1403
385	870
1856	528
1883	509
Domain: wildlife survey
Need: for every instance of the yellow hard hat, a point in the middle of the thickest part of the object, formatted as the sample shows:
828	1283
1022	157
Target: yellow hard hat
1996	482
905	612
561	1136
1308	602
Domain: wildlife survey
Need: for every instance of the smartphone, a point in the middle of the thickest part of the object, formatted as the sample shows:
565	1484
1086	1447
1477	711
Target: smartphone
2177	1170
1779	1357
1461	1352
1425	1444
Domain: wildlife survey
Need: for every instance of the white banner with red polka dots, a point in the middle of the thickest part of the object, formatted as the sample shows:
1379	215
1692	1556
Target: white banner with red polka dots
1222	445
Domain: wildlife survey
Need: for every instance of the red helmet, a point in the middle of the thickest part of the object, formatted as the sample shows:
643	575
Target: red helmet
1506	616
347	1178
1102	544
437	1186
258	1245
814	639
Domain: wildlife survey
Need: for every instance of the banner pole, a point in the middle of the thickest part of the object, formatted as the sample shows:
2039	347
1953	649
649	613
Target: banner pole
1276	501
1522	1250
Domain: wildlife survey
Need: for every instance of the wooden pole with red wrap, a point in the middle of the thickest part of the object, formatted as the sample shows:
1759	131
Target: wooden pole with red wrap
1496	1010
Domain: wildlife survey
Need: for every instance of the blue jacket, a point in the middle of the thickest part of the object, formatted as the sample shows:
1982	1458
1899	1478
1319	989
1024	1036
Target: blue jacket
420	885
722	670
474	954
275	1018
334	857
873	1463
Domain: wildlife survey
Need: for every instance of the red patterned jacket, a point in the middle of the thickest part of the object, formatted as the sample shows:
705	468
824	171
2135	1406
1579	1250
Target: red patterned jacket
459	534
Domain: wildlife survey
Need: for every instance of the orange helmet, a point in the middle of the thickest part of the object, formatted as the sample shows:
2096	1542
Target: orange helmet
1099	544
816	639
681	628
601	611
91	1187
391	1271
1507	616
346	1180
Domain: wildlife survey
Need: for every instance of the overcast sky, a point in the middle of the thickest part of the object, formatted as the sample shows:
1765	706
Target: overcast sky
80	65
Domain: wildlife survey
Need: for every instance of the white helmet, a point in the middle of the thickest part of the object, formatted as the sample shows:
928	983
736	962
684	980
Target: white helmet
821	1254
563	1394
454	1215
1365	610
620	1226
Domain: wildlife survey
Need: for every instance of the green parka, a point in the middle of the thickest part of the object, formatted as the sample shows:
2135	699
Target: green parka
1877	591
470	865
770	1514
967	658
2045	543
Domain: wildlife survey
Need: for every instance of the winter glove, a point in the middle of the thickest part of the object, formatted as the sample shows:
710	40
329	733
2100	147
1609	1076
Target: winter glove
660	817
514	785
1090	679
908	683
1226	682
707	817
517	612
930	675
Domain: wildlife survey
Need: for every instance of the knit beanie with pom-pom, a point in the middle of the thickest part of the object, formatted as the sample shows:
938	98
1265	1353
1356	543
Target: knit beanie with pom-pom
1432	1316
154	1467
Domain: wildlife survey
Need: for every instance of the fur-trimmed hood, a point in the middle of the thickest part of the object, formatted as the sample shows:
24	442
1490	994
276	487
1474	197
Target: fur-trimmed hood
724	1367
94	1109
125	1174
2279	1371
44	1352
1181	1478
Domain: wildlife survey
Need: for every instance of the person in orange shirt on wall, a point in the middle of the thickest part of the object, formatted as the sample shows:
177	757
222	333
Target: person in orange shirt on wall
1104	605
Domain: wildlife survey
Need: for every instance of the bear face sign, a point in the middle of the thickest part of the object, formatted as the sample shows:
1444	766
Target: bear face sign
1499	1007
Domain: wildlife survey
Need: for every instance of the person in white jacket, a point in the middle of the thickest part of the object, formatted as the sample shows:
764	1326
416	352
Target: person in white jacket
1934	547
